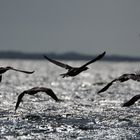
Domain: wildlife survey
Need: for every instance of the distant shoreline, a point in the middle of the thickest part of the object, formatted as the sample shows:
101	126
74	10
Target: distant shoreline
64	56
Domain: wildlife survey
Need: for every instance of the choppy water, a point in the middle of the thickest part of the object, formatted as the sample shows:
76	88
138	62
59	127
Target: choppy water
83	114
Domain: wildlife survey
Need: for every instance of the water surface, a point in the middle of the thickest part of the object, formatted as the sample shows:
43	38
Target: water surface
82	115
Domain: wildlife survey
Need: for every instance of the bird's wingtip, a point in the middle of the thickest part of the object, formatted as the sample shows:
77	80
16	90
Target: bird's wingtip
32	71
15	110
125	105
104	52
45	56
99	92
60	100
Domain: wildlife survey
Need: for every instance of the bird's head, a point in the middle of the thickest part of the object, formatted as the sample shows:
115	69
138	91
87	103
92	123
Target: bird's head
85	68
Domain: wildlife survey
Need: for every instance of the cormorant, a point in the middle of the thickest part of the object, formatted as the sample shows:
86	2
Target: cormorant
73	71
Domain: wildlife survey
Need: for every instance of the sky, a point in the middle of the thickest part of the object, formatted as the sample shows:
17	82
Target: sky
82	26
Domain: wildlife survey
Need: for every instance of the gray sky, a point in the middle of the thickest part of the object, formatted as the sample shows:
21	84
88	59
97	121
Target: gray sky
84	26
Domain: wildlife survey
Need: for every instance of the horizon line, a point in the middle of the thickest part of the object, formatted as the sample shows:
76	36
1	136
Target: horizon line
66	56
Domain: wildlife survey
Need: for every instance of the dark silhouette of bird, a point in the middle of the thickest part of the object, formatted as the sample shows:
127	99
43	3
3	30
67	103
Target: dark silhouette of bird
73	71
131	101
35	90
122	78
4	69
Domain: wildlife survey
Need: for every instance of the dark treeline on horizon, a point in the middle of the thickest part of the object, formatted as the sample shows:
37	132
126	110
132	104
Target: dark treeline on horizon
64	56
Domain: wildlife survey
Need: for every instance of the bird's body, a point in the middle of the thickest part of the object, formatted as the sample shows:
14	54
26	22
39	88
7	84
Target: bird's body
121	79
4	69
132	101
73	71
35	90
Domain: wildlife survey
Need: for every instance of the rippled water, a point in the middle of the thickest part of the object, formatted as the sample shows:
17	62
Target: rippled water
82	115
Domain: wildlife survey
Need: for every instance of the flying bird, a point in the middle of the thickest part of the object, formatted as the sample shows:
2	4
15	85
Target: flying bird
131	101
73	71
4	69
35	90
121	79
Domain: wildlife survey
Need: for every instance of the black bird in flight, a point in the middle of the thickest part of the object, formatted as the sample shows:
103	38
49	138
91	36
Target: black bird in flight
122	78
35	90
73	71
4	69
131	101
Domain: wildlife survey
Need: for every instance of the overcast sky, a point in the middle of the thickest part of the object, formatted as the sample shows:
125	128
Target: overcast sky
84	26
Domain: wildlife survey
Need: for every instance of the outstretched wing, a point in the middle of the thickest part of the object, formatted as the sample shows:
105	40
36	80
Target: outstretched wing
51	93
19	100
95	59
132	100
27	72
107	86
58	63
